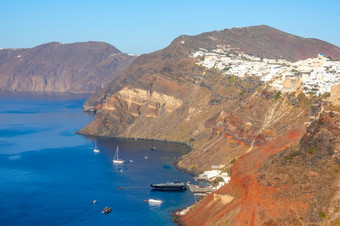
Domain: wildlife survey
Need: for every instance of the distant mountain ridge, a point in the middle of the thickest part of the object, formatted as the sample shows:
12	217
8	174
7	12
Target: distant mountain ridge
263	41
82	67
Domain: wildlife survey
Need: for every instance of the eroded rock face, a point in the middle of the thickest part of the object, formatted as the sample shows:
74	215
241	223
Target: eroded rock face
335	94
166	96
152	102
298	185
55	67
130	108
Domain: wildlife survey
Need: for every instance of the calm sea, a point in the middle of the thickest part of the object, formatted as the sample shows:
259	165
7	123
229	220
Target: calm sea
50	176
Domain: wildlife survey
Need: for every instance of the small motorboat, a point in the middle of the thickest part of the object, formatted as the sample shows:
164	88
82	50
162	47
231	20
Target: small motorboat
155	201
107	210
153	148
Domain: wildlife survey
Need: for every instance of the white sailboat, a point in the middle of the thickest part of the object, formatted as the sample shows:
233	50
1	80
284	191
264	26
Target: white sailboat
116	158
96	150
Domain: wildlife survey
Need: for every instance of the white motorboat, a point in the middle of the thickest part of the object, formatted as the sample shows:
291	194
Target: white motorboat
155	201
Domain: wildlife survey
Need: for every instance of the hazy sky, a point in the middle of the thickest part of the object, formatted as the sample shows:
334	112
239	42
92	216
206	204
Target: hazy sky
148	25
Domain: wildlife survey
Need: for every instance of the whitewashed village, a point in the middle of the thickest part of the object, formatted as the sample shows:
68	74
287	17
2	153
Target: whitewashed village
314	76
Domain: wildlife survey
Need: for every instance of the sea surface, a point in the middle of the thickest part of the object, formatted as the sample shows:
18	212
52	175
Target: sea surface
51	176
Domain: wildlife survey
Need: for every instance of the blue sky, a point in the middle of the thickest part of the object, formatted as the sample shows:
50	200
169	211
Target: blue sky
146	26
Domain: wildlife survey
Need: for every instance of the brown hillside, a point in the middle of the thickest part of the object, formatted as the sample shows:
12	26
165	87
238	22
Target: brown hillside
55	67
165	95
297	186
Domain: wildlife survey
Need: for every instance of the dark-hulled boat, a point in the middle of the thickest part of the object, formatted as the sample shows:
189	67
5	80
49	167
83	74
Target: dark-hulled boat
169	186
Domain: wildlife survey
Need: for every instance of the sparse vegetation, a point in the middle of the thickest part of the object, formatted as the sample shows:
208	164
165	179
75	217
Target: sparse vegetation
277	95
288	157
311	150
243	92
230	171
191	140
232	78
216	181
322	215
326	94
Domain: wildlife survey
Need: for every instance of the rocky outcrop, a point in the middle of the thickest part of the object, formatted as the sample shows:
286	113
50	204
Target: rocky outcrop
296	186
335	94
55	67
231	121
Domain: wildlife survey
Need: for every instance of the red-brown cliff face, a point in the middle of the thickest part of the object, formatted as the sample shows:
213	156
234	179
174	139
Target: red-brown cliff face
55	67
165	95
281	183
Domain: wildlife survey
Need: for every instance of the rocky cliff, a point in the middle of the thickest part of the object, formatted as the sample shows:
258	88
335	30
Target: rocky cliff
56	67
166	95
297	185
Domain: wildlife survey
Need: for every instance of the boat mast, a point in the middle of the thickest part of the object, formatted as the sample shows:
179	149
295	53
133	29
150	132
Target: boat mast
117	152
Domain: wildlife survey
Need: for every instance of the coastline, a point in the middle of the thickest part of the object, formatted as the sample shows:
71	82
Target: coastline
176	214
52	170
176	160
134	138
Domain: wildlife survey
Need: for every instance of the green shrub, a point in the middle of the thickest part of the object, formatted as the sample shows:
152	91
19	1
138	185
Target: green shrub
322	215
288	157
277	95
191	140
230	171
216	181
327	94
311	150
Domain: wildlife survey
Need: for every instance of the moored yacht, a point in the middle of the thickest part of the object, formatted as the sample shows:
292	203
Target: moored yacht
116	159
169	186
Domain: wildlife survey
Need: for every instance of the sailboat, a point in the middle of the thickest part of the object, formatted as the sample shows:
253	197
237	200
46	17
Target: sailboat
116	158
96	150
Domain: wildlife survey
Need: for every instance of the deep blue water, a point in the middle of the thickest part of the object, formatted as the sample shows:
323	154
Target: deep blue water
50	176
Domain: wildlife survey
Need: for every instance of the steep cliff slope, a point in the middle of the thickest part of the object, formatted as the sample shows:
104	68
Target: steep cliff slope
297	186
166	95
55	67
173	63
